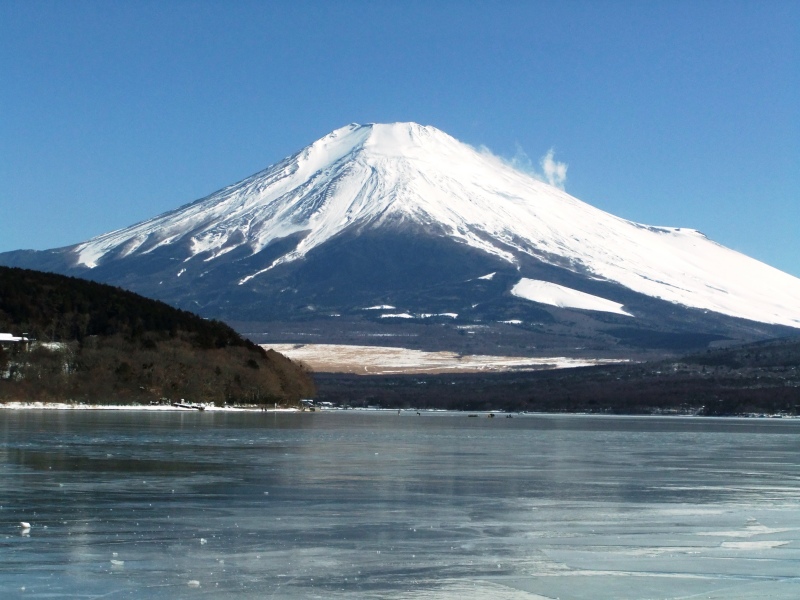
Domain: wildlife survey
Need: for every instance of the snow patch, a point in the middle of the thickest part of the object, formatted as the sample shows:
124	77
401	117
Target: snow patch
407	315
553	294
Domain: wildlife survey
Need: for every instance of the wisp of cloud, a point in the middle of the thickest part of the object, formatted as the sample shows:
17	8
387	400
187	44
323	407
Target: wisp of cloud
552	171
555	172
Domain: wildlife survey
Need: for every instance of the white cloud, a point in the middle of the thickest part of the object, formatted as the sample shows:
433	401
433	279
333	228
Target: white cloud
522	162
555	173
552	171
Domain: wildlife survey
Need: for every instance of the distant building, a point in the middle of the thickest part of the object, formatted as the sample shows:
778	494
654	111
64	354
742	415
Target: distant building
9	340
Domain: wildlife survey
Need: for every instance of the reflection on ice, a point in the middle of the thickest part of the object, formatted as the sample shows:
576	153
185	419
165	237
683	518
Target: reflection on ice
378	506
760	545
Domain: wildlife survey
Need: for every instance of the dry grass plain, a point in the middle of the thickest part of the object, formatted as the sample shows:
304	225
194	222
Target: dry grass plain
385	360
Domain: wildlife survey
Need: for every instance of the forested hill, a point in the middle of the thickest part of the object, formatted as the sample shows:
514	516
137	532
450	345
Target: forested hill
759	378
95	342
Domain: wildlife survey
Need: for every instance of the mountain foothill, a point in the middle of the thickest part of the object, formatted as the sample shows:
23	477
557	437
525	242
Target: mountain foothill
82	341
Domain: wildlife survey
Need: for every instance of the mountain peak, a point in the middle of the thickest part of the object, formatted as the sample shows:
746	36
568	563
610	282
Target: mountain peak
391	137
410	177
386	139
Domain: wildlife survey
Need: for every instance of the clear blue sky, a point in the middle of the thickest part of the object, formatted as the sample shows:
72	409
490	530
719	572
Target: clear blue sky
680	113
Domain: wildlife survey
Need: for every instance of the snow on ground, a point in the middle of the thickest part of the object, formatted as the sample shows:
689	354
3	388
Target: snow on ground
406	315
149	407
564	297
384	360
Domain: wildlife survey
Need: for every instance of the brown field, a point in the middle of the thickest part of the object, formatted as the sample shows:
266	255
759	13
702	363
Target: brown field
383	360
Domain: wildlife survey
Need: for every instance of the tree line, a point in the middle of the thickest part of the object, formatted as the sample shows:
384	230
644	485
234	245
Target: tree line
99	343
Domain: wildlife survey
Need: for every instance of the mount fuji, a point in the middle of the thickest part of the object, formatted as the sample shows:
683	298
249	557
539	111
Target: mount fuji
400	233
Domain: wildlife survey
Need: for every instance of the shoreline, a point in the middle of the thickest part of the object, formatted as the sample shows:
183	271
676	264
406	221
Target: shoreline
66	406
22	405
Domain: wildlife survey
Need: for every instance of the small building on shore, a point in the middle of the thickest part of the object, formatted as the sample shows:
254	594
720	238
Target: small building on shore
9	340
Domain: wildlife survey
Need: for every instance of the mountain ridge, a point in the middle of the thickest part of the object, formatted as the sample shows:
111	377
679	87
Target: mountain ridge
414	208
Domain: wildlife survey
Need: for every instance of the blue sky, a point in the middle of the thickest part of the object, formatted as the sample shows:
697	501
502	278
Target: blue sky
678	113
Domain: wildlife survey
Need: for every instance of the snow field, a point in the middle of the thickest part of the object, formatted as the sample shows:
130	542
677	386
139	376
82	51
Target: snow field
564	297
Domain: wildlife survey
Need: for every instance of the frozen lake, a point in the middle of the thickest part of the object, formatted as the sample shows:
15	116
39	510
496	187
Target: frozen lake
369	505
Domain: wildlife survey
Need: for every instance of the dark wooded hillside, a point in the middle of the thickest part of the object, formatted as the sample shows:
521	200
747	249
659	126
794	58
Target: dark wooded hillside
99	343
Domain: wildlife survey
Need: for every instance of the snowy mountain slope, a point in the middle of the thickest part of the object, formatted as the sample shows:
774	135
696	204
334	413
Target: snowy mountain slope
553	294
374	177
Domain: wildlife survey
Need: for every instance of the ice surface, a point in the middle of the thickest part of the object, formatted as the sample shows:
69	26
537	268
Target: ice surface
379	506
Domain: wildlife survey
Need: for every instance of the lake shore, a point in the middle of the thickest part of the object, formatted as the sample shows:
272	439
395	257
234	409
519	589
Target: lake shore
136	407
66	406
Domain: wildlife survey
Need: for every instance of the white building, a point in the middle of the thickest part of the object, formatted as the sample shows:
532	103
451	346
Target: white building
7	339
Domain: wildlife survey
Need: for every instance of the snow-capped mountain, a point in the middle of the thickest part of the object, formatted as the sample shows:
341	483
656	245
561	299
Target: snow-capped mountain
387	214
